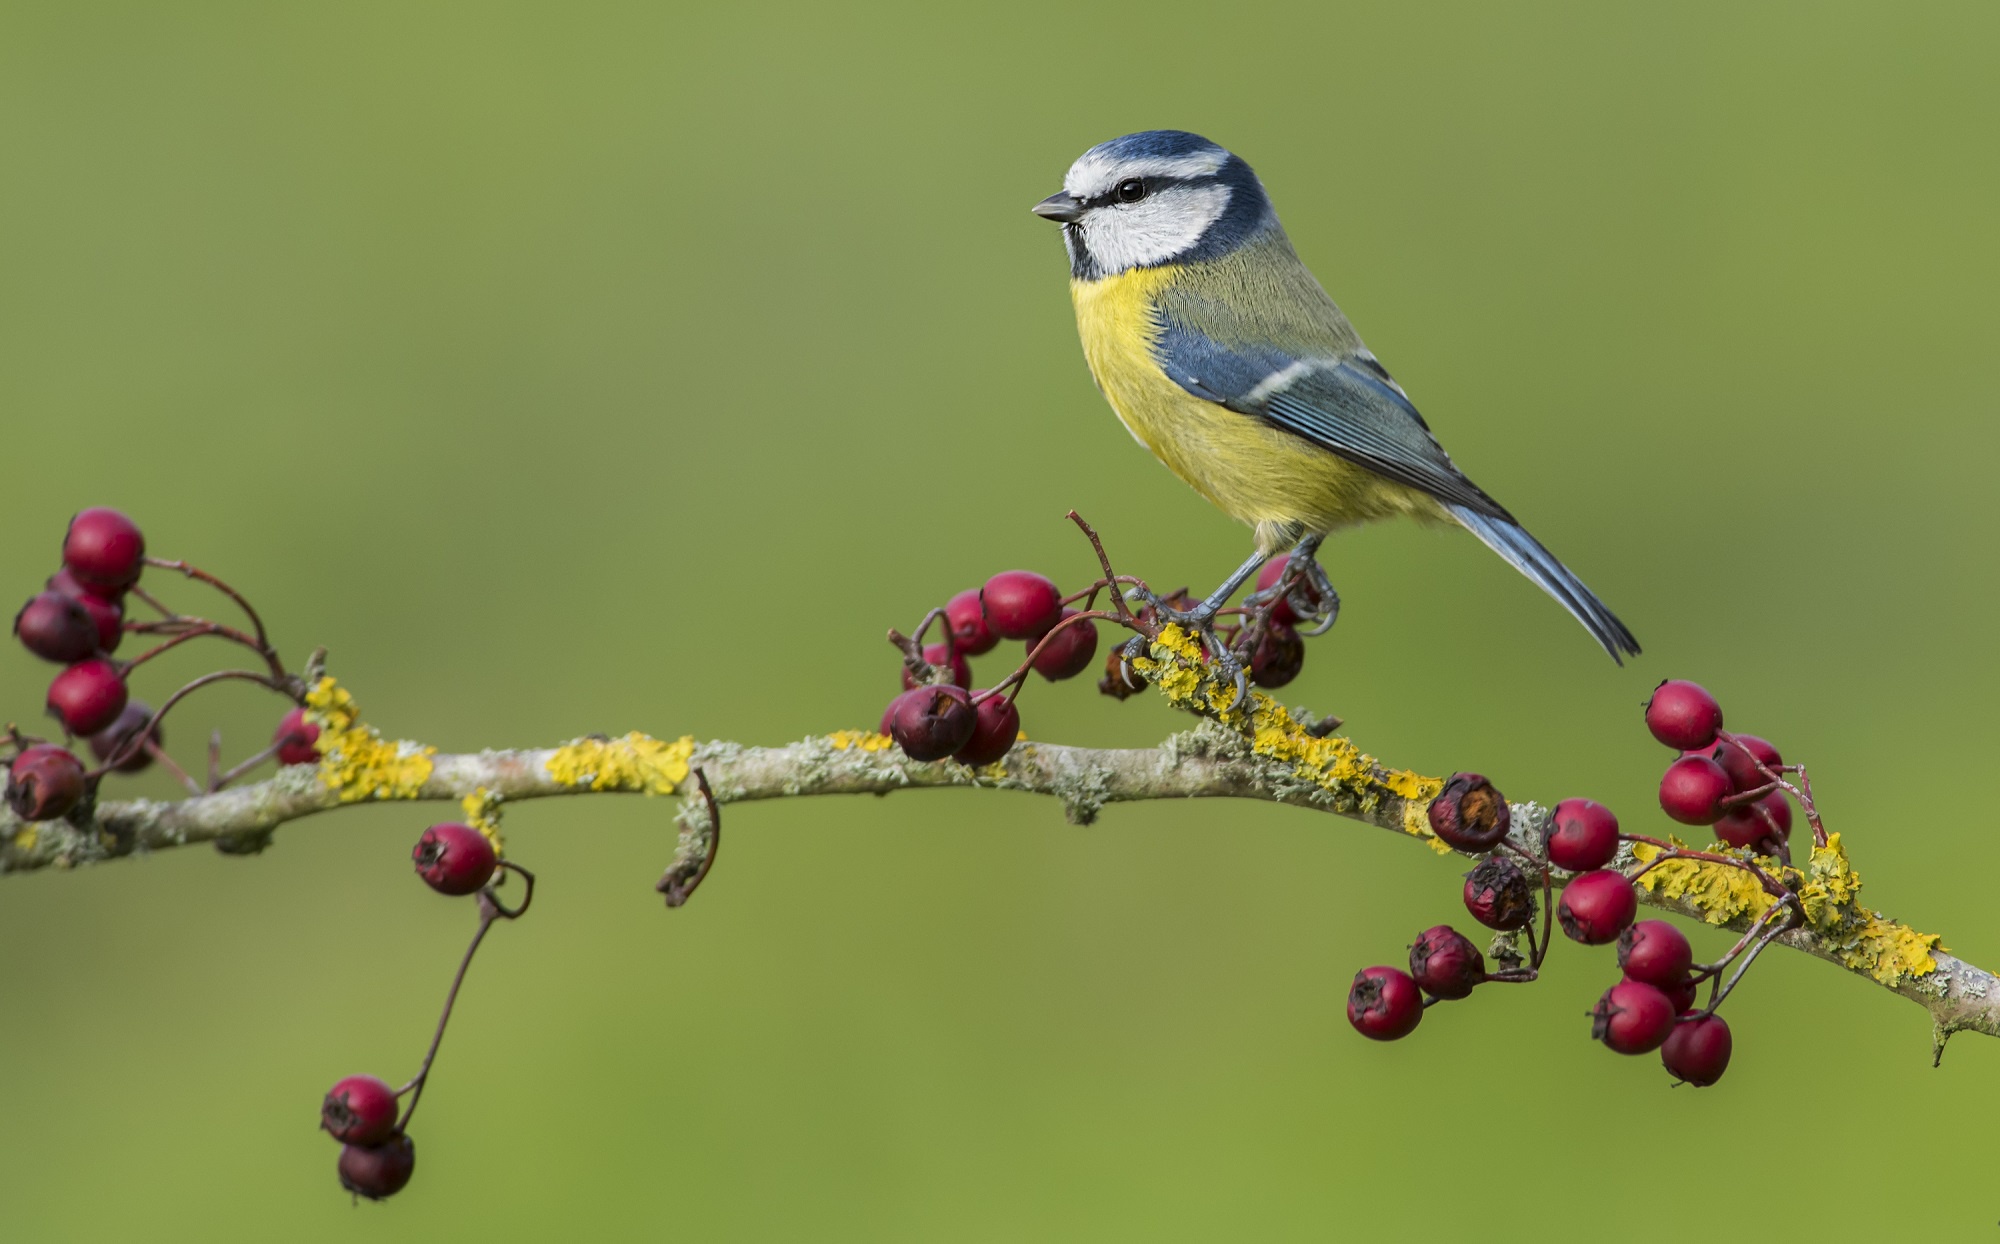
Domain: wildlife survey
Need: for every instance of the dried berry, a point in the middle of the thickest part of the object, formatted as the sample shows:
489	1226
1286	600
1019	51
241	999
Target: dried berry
939	657
104	550
1020	604
1470	814
111	741
968	624
1277	656
88	696
1069	651
931	723
1741	757
1596	906
1655	952
1384	1004
1632	1018
56	628
1445	963
1692	790
1697	1050
1747	825
44	782
1683	715
360	1110
1583	834
1120	681
1498	895
454	859
380	1171
997	726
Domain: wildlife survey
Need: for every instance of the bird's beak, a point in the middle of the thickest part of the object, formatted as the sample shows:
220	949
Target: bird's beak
1061	206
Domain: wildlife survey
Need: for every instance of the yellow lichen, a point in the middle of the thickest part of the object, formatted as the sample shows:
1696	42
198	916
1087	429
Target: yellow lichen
1865	940
1177	665
637	762
482	812
1718	892
26	837
357	761
866	740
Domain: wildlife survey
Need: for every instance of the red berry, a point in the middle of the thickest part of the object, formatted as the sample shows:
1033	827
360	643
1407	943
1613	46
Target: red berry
1655	952
1069	652
56	628
454	859
931	723
1739	759
109	618
938	655
1683	715
104	550
295	737
111	740
1692	790
1384	1004
1498	895
44	782
1267	578
997	724
1596	907
1470	814
968	624
1020	604
1445	963
88	696
1583	834
381	1171
360	1110
1745	826
1277	657
1632	1018
1682	994
1697	1051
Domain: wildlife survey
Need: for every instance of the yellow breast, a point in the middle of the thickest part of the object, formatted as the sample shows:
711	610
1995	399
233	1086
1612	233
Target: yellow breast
1270	479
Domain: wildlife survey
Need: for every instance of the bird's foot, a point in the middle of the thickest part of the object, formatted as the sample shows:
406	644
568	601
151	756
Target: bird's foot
1304	586
1200	621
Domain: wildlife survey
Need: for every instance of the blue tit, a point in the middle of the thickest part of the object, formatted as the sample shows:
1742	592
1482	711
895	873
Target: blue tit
1223	355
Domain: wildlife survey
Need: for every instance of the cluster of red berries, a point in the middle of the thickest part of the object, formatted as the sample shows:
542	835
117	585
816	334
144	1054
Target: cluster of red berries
938	715
1653	1006
79	621
377	1156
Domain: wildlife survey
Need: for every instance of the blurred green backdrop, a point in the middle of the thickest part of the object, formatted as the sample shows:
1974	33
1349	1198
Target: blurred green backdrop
615	365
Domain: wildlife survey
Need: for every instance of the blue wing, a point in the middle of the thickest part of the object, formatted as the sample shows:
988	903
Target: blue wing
1350	407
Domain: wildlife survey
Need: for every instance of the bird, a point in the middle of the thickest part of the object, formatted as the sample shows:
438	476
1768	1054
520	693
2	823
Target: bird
1223	355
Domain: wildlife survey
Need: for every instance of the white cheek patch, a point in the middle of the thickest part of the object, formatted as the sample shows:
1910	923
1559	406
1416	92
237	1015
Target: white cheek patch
1155	229
1093	174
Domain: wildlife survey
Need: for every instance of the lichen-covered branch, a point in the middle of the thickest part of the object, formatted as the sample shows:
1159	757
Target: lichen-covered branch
1257	750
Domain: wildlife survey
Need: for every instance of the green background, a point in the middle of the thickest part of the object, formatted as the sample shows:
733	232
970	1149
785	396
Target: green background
604	366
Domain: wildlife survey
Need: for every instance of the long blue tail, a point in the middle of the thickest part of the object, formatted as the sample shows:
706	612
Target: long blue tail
1526	554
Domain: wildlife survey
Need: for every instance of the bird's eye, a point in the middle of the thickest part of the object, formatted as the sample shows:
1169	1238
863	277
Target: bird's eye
1131	190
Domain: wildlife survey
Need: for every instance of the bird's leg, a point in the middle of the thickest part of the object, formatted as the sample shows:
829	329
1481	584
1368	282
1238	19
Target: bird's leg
1305	588
1201	620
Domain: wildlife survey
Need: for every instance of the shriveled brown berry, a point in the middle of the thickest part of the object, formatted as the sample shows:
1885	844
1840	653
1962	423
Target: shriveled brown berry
1470	814
1120	681
1498	894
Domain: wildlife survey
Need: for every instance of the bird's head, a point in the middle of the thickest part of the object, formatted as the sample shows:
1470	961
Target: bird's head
1161	196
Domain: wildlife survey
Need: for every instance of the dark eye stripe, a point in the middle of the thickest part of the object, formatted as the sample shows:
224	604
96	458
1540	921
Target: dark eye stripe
1153	186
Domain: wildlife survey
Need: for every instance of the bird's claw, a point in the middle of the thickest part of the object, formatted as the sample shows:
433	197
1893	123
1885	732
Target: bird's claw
1308	591
1200	620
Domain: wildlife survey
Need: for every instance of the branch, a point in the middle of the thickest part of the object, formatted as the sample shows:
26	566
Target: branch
1260	752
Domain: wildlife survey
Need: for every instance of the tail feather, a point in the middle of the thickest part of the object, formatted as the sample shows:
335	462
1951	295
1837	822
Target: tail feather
1526	554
